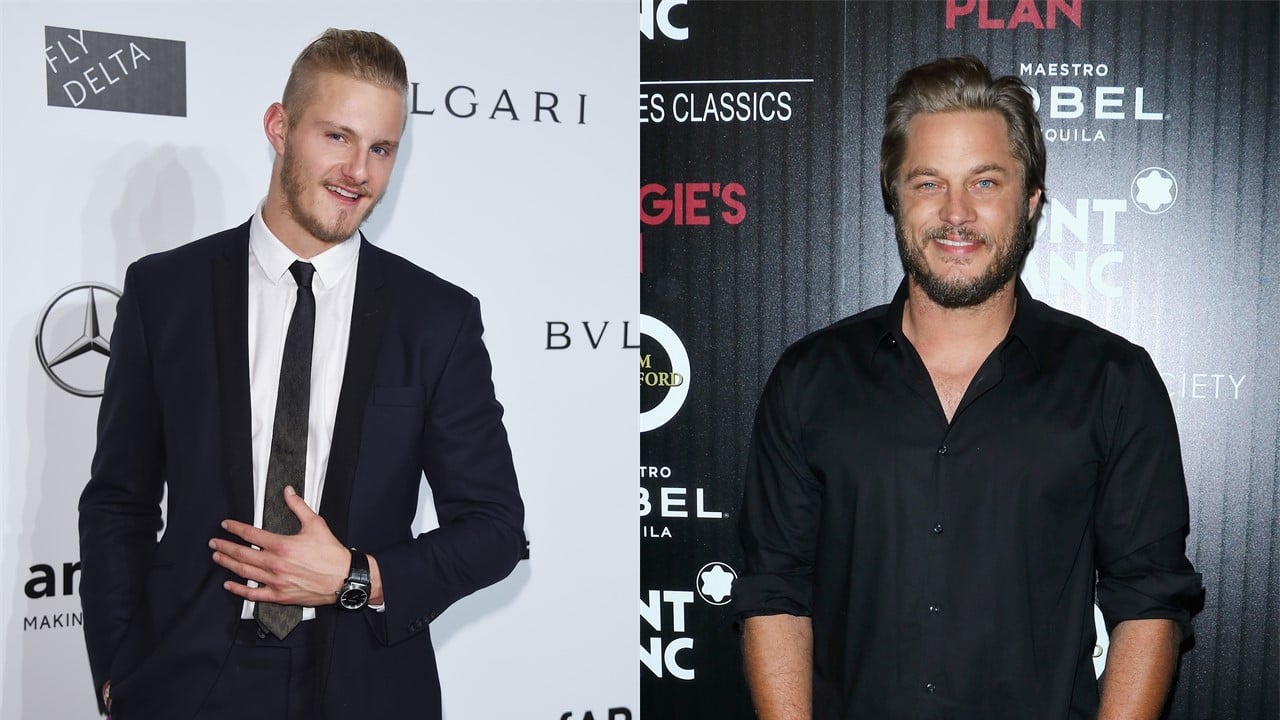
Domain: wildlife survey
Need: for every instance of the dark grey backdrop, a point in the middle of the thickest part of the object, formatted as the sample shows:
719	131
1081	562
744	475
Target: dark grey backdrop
1196	283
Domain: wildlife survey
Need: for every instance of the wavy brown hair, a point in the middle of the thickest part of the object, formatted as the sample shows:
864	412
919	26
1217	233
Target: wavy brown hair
957	84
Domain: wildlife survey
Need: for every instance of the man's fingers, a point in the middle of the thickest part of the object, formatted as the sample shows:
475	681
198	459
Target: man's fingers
248	533
264	592
237	552
298	506
238	590
256	594
243	569
300	569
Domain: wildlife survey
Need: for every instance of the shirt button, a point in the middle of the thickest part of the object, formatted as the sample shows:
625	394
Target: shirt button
942	450
937	529
930	687
935	609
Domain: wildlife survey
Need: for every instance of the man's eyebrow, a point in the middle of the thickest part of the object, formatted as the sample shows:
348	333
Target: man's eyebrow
989	167
976	170
917	172
352	133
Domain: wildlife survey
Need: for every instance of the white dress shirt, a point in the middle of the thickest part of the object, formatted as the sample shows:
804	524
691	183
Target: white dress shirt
272	295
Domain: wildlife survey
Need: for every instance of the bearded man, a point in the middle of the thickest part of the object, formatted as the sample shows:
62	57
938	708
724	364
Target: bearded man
939	488
288	384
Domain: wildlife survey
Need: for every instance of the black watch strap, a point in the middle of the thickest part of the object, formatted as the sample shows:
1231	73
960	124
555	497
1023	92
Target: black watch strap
355	590
359	567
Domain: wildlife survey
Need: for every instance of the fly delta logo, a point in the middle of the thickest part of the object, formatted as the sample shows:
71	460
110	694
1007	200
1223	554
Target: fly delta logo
70	342
122	73
1077	242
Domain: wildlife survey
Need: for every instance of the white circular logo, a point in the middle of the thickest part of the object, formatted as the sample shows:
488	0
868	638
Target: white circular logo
72	326
1154	190
715	582
660	414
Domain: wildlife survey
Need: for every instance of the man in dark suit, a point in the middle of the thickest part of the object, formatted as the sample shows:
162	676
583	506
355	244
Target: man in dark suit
287	384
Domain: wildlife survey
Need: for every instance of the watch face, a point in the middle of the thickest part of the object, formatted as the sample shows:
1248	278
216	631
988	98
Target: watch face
353	597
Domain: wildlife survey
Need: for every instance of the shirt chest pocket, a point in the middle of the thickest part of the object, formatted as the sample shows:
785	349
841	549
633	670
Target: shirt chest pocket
395	418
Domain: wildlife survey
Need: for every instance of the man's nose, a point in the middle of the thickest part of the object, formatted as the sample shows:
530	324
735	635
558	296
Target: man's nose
356	166
957	209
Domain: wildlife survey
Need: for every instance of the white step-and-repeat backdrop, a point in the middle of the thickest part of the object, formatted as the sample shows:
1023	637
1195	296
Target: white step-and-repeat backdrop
131	128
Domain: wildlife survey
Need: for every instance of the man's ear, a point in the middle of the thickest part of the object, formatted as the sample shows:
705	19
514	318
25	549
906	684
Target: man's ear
276	125
1033	203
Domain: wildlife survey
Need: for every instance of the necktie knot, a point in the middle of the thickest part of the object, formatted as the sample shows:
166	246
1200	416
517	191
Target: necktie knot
302	273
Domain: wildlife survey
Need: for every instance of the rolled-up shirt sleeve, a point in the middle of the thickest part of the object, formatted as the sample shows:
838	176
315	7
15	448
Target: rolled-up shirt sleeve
780	509
1141	514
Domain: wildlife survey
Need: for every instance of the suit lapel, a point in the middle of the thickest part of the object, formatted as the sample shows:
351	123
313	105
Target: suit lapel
368	319
231	332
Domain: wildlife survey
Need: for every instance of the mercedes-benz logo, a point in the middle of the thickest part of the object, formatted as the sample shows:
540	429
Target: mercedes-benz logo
62	312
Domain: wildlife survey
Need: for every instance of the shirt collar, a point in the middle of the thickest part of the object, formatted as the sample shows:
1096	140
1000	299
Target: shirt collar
1027	327
890	331
275	258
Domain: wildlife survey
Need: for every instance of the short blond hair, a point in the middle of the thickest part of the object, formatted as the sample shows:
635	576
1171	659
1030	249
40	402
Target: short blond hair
359	54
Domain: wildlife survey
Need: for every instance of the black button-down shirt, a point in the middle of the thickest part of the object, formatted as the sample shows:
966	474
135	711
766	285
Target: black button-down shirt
950	567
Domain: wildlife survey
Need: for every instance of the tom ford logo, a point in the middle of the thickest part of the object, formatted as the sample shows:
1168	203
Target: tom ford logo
103	71
676	380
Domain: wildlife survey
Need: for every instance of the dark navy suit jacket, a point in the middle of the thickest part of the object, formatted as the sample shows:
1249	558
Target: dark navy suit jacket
416	397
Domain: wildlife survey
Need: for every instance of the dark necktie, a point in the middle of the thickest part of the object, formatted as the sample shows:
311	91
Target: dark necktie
287	464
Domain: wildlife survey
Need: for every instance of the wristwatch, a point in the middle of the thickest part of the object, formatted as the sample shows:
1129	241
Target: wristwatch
354	593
